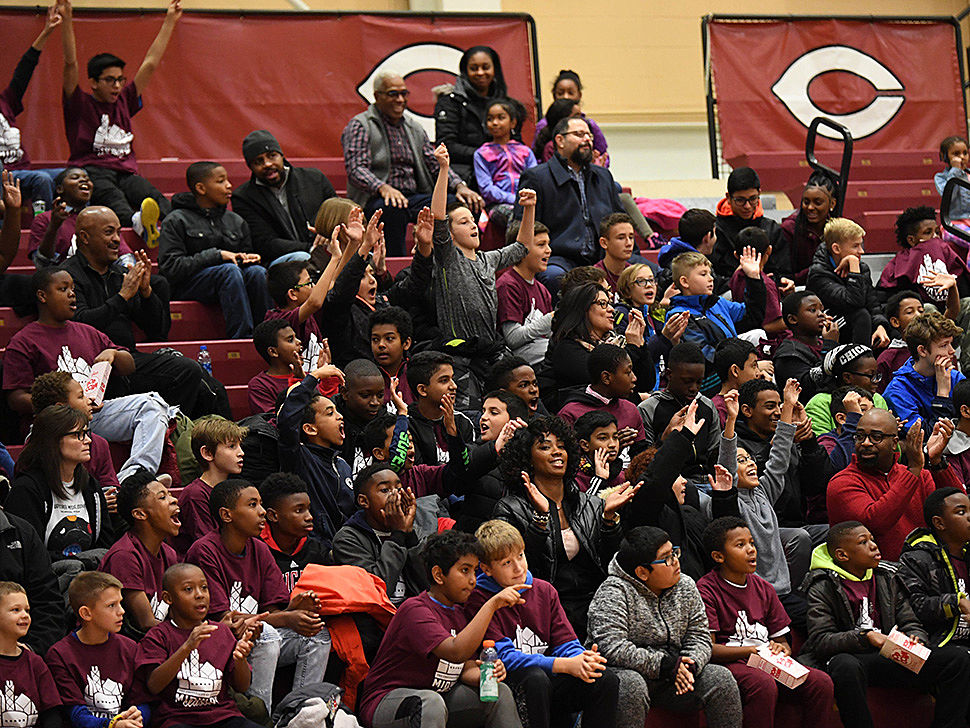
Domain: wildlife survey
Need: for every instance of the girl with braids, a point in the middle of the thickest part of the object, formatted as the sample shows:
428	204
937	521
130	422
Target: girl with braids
802	230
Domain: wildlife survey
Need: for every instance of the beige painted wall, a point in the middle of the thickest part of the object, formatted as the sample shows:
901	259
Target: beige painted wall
641	60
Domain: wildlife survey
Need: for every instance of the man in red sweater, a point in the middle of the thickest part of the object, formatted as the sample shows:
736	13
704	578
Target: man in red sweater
880	492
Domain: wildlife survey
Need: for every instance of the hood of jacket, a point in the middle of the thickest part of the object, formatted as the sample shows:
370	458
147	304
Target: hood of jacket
671	250
493	587
959	443
724	209
822	559
187	201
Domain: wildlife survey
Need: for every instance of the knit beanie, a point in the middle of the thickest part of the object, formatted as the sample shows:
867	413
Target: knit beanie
840	357
258	142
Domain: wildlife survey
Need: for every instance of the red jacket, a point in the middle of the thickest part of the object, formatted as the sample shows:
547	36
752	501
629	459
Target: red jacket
890	504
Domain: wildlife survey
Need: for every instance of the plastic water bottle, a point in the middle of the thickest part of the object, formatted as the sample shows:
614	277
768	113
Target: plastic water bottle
488	685
205	361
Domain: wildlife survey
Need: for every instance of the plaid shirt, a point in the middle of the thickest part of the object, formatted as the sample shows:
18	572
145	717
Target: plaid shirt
357	159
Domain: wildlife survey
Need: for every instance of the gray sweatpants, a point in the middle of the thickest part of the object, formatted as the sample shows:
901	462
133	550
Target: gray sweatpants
460	707
715	692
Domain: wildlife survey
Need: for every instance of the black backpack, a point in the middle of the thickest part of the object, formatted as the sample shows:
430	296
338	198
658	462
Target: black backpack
261	447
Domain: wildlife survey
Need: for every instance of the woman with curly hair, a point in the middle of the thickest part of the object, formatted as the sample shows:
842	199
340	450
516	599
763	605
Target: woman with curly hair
570	536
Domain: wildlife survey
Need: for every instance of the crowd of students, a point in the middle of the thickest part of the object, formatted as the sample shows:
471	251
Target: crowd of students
630	487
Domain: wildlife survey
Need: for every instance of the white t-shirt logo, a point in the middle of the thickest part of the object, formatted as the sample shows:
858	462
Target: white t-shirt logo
10	150
16	709
103	697
199	684
112	140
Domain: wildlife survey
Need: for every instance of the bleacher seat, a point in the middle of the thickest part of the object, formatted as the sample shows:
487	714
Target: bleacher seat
234	361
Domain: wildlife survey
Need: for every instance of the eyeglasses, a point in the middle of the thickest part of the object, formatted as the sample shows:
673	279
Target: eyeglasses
113	80
746	201
80	435
580	134
670	558
644	282
298	286
876	436
602	304
742	459
396	93
874	378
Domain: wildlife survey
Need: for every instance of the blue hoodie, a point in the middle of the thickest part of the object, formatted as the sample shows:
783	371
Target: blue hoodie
913	396
722	313
541	599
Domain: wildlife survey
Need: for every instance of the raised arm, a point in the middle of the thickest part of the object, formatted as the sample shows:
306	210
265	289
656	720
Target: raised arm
69	46
439	197
10	233
157	49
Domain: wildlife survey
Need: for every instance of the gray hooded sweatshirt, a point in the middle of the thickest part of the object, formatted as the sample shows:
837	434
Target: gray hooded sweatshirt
757	505
637	630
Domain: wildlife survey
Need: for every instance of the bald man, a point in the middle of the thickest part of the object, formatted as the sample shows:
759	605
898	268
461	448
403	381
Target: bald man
111	298
882	493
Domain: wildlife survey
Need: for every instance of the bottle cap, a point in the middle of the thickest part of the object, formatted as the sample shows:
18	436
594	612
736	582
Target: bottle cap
488	643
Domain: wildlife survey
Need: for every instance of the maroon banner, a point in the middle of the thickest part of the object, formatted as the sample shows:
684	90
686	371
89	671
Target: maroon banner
895	85
302	76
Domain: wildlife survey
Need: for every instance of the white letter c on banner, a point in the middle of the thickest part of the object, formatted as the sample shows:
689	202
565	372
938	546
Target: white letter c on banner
792	89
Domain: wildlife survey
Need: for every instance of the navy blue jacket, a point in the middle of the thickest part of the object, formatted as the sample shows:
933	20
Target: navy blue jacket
327	475
560	208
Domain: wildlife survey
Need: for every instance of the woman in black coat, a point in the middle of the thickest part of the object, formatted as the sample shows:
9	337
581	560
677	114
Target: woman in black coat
460	116
570	536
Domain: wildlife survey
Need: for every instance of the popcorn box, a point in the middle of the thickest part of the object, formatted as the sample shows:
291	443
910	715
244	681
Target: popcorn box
786	670
908	653
97	382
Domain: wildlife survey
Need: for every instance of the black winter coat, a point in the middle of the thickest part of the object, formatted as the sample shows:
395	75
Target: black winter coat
831	626
846	295
459	124
274	232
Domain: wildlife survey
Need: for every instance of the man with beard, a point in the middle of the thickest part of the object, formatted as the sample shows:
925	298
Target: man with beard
882	493
573	196
390	163
279	202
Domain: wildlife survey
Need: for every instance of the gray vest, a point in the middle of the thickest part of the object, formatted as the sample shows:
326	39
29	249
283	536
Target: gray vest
380	153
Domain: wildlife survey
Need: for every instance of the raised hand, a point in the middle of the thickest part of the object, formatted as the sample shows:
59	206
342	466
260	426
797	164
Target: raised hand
538	500
12	199
510	428
243	646
912	446
448	414
722	478
942	368
424	228
619	498
333	244
527	198
732	405
441	156
354	227
691	422
786	286
601	463
635	328
942	432
830	328
396	399
750	262
676	422
327	371
852	402
372	234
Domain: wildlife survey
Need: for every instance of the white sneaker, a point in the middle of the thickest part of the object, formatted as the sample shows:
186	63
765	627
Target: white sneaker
136	224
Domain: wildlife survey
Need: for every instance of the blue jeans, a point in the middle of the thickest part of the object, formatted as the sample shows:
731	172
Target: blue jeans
240	291
37	185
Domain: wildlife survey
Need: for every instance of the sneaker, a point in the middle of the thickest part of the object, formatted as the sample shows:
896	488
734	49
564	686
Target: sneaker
149	221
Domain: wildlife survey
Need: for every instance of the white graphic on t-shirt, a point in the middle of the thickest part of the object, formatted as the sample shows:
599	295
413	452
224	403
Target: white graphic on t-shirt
360	461
963	627
446	674
927	268
443	455
199	684
16	710
102	697
159	607
747	634
73	365
528	642
865	616
10	150
238	603
534	314
111	139
311	352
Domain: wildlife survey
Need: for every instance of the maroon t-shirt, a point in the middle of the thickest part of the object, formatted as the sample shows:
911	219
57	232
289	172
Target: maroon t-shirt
101	467
99	133
536	627
194	515
307	332
742	616
136	568
612	281
248	582
99	677
64	237
520	301
265	389
37	349
28	690
405	659
199	694
862	599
